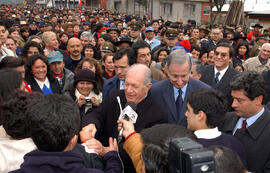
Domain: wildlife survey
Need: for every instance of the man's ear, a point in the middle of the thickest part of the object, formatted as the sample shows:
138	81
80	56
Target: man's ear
259	100
201	116
72	143
148	86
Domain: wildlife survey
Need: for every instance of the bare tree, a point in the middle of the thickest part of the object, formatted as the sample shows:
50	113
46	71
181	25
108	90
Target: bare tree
218	4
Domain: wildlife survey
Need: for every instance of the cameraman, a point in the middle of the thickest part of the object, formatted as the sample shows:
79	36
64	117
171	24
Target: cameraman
155	141
84	91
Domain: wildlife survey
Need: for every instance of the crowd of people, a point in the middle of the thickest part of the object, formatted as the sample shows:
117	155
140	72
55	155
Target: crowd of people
66	75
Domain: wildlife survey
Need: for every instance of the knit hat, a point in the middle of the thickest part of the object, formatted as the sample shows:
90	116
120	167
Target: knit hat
84	75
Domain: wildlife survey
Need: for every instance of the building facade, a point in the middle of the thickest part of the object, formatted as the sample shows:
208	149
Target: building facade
172	10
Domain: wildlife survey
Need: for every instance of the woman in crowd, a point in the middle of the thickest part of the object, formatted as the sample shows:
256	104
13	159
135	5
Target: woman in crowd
92	64
161	54
107	63
203	57
39	77
89	51
16	36
63	40
31	48
84	91
242	53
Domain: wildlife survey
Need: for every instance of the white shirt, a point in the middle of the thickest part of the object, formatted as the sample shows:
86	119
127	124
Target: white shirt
41	84
208	133
222	72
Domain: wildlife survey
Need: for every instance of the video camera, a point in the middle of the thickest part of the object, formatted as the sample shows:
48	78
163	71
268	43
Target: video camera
187	156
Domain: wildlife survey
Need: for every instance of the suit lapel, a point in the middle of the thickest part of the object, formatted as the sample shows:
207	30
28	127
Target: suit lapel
225	77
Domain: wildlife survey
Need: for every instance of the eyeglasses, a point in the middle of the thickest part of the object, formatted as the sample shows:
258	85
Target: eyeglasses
222	54
268	51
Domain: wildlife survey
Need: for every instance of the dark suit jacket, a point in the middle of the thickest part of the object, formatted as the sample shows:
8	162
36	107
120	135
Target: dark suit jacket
255	138
208	77
266	76
109	86
106	115
163	93
53	82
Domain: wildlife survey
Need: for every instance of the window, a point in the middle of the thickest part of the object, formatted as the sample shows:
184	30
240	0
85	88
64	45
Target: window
166	9
117	6
189	10
206	10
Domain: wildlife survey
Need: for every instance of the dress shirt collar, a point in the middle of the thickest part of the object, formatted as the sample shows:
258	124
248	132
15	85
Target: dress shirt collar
184	90
208	133
249	120
222	72
41	84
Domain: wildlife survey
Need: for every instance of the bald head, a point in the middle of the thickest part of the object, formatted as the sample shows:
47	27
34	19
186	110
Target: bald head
75	48
137	83
141	70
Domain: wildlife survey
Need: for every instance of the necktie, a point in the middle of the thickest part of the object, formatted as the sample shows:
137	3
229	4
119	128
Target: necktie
179	102
216	78
244	125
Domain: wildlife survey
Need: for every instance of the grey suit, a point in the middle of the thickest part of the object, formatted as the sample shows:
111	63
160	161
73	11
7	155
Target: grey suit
255	139
163	93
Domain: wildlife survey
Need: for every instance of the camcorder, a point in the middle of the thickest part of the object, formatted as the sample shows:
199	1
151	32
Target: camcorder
187	156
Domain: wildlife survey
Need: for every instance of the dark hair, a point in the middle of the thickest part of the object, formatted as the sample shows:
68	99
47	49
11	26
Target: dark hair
10	80
227	161
62	33
28	45
2	23
242	44
13	112
196	47
91	47
125	51
157	140
11	62
12	29
224	44
251	82
23	29
155	159
107	37
162	134
9	37
30	63
154	21
98	74
161	50
138	45
238	64
212	103
53	120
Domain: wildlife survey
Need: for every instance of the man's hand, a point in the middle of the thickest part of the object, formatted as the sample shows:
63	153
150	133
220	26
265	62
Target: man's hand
96	146
112	144
88	132
128	127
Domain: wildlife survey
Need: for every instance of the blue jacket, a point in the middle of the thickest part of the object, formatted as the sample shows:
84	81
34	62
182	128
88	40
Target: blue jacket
163	93
69	162
109	86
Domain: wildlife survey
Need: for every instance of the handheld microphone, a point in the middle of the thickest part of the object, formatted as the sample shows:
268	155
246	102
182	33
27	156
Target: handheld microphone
128	114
